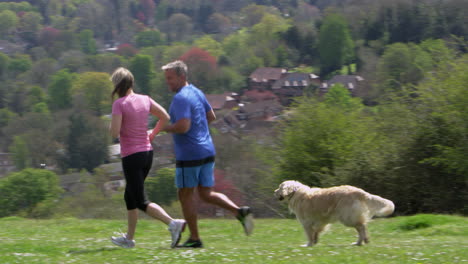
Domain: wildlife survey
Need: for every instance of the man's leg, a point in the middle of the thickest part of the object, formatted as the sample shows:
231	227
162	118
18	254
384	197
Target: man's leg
189	209
208	195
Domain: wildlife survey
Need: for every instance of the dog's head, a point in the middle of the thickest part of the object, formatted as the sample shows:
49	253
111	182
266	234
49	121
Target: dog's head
287	189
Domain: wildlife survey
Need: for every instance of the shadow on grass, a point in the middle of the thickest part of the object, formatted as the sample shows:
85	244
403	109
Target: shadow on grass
86	251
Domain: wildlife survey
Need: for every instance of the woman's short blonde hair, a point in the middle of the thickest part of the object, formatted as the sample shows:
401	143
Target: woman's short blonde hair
123	80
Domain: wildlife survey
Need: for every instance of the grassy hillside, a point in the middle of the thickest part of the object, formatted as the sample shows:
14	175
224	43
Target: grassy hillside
415	239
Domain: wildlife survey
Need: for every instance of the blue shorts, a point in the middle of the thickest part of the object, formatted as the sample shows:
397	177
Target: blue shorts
189	177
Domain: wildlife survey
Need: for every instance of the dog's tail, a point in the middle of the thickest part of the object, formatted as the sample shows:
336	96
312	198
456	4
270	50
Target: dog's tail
379	206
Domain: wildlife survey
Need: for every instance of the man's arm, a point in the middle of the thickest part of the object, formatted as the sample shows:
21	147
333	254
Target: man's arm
210	116
179	127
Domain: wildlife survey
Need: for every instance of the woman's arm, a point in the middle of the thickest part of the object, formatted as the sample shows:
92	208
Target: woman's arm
158	111
116	123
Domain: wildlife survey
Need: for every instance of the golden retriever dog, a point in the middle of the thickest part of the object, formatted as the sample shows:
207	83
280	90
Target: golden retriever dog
315	208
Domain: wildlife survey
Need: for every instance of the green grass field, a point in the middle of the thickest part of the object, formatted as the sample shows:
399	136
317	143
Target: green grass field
415	239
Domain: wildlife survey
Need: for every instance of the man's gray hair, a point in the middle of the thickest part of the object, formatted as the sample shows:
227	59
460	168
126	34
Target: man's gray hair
178	66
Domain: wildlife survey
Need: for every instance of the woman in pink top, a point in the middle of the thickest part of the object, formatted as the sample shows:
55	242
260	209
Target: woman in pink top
129	122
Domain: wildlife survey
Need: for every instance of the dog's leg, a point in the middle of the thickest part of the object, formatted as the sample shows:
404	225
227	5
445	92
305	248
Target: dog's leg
311	233
362	233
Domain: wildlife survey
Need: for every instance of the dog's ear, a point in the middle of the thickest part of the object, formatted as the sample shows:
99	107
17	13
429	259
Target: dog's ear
289	188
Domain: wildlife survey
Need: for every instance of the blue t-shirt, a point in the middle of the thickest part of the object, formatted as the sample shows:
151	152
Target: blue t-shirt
189	102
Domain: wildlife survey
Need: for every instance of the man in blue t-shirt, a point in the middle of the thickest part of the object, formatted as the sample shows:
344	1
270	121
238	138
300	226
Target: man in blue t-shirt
195	153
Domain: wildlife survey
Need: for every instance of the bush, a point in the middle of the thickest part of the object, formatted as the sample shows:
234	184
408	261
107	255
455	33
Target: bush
30	193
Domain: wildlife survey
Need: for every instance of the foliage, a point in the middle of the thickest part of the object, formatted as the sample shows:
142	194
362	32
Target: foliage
403	64
8	21
202	68
86	145
20	153
141	67
319	137
126	50
19	64
210	45
160	187
409	149
335	45
148	38
87	41
60	90
95	88
30	192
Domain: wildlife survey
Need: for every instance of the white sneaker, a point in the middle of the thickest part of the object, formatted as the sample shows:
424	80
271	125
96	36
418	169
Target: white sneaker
176	227
123	241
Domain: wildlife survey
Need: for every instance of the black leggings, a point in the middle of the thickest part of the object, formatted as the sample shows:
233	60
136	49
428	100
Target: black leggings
136	167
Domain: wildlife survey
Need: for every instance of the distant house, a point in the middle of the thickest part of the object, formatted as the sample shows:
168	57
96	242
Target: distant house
262	110
350	82
226	100
283	84
10	48
264	78
293	84
259	95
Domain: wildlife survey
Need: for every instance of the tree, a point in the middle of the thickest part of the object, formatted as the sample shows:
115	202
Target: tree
32	126
178	27
95	89
402	64
106	62
42	70
20	153
4	62
265	38
335	45
6	116
148	38
30	192
254	14
339	96
87	42
142	68
445	97
126	50
218	24
8	21
29	26
86	145
210	45
148	8
19	64
60	90
36	95
202	67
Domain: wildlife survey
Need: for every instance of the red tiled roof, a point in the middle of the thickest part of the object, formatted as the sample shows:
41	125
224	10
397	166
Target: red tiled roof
217	101
266	74
257	96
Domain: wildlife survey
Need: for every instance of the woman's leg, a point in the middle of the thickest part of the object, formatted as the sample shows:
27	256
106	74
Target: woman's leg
152	209
155	211
132	216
